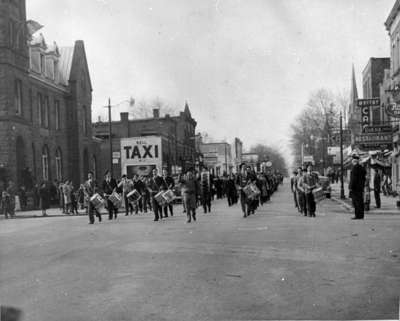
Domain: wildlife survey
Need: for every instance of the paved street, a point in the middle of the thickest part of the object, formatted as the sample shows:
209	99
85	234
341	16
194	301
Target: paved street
273	265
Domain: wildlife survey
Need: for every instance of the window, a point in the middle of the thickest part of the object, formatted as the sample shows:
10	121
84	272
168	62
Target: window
39	108
59	164
11	32
50	68
18	96
42	64
58	114
45	163
84	121
34	160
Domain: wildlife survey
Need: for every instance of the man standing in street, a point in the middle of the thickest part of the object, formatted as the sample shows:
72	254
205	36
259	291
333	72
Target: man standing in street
293	185
109	186
90	188
310	182
205	186
356	187
168	183
190	192
301	195
377	189
156	184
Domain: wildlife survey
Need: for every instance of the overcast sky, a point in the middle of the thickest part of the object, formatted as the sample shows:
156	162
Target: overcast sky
246	68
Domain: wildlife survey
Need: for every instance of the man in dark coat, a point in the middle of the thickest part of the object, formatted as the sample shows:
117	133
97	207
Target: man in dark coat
109	186
156	184
377	189
356	187
89	189
168	183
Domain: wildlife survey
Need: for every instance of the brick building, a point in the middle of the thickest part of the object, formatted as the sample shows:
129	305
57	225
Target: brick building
177	134
45	104
373	75
217	157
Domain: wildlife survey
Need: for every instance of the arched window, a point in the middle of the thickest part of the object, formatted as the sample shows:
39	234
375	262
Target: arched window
59	164
45	163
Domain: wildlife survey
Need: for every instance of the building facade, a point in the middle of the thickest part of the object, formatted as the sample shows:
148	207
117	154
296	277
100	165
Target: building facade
177	134
373	75
45	104
217	157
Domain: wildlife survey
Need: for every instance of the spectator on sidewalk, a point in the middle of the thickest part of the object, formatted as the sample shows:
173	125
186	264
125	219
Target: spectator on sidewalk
356	187
67	196
45	197
36	197
22	198
377	189
8	200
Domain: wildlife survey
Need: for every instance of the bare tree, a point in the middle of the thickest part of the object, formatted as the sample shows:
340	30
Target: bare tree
144	108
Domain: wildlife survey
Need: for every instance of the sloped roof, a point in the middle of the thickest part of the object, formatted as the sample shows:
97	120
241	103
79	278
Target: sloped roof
65	63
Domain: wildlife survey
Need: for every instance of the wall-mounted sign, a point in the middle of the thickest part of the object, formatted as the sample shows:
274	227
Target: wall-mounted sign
308	158
365	117
377	129
374	141
369	102
393	110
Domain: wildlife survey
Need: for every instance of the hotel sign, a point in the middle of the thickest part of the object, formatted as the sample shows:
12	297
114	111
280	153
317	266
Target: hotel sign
368	102
377	129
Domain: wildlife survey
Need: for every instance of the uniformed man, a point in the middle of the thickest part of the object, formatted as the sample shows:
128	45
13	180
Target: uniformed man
156	184
109	186
89	189
205	189
310	182
190	192
168	183
245	178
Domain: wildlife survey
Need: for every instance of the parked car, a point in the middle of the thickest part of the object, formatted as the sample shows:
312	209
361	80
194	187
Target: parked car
325	183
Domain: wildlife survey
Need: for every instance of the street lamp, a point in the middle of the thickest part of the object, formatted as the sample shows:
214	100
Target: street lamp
341	157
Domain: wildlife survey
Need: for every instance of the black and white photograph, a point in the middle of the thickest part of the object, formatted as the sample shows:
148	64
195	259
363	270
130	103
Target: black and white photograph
199	160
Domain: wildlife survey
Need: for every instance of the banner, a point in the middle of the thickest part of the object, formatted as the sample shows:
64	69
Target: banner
139	155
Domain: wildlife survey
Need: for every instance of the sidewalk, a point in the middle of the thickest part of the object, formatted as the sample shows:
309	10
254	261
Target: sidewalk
52	212
388	203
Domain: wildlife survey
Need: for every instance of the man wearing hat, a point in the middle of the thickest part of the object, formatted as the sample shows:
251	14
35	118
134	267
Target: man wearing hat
356	187
109	186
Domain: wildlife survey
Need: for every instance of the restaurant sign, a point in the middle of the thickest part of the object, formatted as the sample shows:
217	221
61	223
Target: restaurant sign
393	110
374	141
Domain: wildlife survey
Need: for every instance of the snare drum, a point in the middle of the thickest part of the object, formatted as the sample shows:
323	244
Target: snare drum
160	199
251	191
133	196
97	201
116	199
169	196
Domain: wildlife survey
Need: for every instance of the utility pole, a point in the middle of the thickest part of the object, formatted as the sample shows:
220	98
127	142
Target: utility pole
110	136
341	158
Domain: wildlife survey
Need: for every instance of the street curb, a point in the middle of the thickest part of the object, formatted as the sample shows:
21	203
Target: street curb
343	203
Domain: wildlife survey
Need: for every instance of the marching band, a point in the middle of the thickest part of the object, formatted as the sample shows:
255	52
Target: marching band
159	192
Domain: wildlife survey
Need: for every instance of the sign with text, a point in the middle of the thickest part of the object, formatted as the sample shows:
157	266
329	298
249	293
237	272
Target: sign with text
141	154
365	116
393	110
333	150
374	141
377	129
308	158
369	102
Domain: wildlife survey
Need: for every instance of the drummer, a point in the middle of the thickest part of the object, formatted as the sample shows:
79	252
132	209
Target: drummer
155	186
126	185
110	186
169	184
89	189
245	178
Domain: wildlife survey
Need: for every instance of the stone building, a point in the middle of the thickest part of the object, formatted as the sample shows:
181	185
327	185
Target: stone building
45	104
177	134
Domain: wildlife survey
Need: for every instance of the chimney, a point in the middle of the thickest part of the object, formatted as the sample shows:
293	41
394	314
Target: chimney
156	113
124	117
